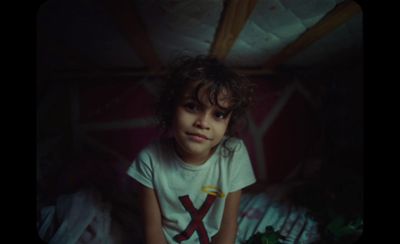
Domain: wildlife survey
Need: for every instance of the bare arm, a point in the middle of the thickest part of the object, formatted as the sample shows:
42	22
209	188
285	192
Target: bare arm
152	217
227	232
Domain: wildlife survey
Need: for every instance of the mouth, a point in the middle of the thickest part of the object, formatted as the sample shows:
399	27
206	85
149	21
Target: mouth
198	136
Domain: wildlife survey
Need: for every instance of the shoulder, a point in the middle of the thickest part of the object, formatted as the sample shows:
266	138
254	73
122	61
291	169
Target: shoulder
235	144
154	149
232	147
150	149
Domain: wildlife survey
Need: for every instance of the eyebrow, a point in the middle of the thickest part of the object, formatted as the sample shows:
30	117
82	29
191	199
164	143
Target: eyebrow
227	110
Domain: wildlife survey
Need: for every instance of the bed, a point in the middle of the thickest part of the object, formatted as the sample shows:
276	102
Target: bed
91	215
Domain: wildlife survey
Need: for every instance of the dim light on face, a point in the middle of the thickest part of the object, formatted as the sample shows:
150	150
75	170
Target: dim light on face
199	126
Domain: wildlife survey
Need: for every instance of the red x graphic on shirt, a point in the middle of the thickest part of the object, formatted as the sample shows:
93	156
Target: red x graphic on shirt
196	224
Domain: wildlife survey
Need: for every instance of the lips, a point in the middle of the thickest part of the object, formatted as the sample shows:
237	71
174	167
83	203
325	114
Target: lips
198	135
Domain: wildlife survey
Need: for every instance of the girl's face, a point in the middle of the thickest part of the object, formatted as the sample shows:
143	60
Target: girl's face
199	127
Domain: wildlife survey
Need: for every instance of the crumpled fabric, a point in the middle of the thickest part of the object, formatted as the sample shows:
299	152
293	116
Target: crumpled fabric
79	218
257	211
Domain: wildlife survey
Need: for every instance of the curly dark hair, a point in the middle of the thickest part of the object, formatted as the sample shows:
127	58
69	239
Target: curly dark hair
210	73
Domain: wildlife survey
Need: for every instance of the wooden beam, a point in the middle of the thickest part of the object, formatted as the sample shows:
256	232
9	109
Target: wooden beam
338	16
137	73
233	19
132	27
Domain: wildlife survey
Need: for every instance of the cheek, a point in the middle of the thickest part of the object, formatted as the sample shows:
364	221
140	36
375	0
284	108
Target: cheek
225	126
221	128
181	118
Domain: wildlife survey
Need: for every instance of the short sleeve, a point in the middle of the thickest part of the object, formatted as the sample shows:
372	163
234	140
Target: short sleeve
242	174
142	169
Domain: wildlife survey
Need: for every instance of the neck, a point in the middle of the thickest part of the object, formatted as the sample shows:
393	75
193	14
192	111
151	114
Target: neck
190	158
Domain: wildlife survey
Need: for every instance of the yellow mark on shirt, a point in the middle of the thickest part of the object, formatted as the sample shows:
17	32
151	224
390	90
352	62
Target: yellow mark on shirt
213	190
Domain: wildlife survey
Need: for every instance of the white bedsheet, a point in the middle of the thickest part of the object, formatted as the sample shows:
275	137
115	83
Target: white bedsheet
84	217
258	211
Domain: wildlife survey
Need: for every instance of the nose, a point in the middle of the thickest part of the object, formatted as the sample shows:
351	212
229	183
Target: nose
201	121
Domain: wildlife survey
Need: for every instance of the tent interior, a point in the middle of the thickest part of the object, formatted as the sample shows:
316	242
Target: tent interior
99	64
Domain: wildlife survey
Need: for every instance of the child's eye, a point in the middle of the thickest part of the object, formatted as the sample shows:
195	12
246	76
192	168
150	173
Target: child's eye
191	106
221	115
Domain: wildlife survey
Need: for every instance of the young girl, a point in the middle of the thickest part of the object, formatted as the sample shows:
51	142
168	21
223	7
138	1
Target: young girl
192	180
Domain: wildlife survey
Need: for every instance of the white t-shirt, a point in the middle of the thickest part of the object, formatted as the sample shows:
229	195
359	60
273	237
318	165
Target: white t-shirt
192	198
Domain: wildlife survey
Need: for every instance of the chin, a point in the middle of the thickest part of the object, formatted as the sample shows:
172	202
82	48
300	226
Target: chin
193	148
